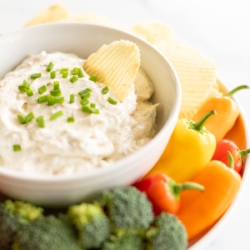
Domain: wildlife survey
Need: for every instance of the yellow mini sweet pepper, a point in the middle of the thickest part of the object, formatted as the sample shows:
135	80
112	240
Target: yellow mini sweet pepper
190	148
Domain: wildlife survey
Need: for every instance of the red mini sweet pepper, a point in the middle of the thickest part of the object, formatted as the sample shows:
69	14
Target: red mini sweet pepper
225	145
164	192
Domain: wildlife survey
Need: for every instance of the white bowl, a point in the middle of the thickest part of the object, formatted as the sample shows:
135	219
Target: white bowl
82	40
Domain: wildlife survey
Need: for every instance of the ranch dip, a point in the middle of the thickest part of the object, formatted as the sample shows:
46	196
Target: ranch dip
71	140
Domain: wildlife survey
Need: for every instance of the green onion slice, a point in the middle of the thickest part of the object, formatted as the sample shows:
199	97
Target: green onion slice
56	92
29	92
29	117
17	147
90	110
87	90
42	89
112	101
72	98
73	79
84	101
92	105
85	95
59	99
56	115
52	74
21	119
51	100
71	119
93	78
36	75
56	85
63	69
65	74
50	67
43	98
40	121
105	90
25	85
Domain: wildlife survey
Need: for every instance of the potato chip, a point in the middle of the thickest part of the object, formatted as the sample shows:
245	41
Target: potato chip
115	65
55	13
196	73
152	32
144	88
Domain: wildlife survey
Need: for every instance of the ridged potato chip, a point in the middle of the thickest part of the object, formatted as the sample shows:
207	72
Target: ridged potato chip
196	72
55	13
115	65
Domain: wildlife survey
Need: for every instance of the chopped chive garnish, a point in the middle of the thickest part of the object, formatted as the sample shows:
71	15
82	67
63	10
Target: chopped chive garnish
86	109
112	101
51	100
43	98
92	105
29	92
90	110
25	85
74	71
56	92
85	95
65	74
50	67
93	78
41	122
80	73
29	117
52	74
87	90
105	90
21	119
56	85
84	101
42	89
71	98
59	99
94	111
71	119
22	88
63	69
73	79
16	147
56	115
36	75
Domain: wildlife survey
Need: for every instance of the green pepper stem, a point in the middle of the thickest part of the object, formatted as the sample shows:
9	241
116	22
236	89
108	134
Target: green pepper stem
176	188
231	93
198	125
230	160
244	152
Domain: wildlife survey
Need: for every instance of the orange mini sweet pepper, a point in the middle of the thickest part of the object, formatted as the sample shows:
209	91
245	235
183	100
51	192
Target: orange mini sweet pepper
200	210
227	112
189	150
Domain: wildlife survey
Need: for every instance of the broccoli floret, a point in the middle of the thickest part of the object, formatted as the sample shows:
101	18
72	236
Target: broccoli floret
12	216
167	232
127	208
126	242
46	233
92	224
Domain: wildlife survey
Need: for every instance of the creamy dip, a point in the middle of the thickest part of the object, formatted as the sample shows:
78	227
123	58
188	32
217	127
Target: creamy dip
61	147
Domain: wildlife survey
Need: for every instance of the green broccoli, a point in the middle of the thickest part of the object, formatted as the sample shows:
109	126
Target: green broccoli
12	216
92	224
167	232
46	233
128	209
125	242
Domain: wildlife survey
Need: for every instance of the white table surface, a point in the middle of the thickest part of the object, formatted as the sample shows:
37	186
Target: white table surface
220	29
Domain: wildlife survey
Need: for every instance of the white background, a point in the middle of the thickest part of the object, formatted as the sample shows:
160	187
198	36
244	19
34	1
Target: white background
220	29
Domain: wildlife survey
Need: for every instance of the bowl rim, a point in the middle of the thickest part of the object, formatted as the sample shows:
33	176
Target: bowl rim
173	117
